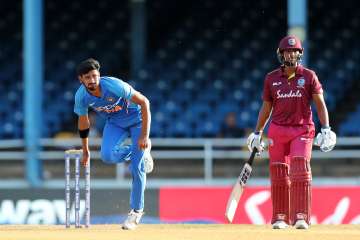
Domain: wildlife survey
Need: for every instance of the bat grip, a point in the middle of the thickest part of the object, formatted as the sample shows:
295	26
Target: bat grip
252	156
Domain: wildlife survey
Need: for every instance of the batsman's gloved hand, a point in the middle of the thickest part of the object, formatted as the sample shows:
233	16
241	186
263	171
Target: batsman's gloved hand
254	141
326	139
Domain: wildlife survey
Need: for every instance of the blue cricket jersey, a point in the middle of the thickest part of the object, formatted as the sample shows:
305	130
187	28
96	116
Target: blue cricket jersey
114	104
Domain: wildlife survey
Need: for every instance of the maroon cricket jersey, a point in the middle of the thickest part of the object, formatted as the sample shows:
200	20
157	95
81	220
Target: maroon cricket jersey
291	99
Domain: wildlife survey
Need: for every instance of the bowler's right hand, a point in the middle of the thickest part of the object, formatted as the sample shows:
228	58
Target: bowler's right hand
254	141
85	158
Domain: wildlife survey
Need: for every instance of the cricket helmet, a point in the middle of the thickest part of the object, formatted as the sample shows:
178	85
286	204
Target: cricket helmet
289	42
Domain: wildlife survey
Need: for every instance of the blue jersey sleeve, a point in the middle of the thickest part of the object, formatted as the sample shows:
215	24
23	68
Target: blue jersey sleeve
120	88
80	108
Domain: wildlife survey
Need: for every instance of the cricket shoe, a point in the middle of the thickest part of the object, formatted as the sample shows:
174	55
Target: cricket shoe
148	160
280	224
132	220
301	224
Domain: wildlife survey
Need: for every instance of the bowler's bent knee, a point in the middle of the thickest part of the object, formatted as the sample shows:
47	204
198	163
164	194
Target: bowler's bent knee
115	155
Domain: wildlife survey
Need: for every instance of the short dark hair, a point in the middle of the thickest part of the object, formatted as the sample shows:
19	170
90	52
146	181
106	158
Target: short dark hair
87	66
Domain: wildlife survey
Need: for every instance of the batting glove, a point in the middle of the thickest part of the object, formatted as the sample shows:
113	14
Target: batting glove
326	139
254	141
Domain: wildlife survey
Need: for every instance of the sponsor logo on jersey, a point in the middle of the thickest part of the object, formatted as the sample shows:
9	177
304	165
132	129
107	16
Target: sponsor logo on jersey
111	108
276	83
291	94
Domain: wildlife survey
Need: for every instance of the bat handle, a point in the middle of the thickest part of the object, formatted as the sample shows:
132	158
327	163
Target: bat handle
252	156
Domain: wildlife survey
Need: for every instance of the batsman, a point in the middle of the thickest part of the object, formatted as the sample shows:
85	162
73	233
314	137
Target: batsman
287	96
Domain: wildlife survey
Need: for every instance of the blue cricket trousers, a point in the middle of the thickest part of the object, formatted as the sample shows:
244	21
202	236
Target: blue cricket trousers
114	151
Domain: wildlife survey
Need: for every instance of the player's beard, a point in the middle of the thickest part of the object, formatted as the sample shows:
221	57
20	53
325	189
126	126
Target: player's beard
292	62
91	87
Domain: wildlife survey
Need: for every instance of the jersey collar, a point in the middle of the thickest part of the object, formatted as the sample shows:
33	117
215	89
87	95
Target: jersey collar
298	72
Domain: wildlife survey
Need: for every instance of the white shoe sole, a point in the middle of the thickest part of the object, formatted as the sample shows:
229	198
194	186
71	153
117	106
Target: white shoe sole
301	226
128	227
282	225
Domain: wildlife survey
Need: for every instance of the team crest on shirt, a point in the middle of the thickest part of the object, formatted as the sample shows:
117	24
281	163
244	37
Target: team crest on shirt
110	99
301	83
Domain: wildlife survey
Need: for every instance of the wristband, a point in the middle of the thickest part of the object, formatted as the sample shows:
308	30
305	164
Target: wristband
84	133
325	127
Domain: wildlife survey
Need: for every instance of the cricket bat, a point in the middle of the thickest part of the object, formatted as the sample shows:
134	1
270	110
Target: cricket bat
238	188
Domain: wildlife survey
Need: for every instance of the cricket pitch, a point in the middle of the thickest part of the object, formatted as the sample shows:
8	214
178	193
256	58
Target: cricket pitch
179	231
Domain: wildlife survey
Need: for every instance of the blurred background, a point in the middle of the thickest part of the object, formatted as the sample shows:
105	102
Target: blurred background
202	66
